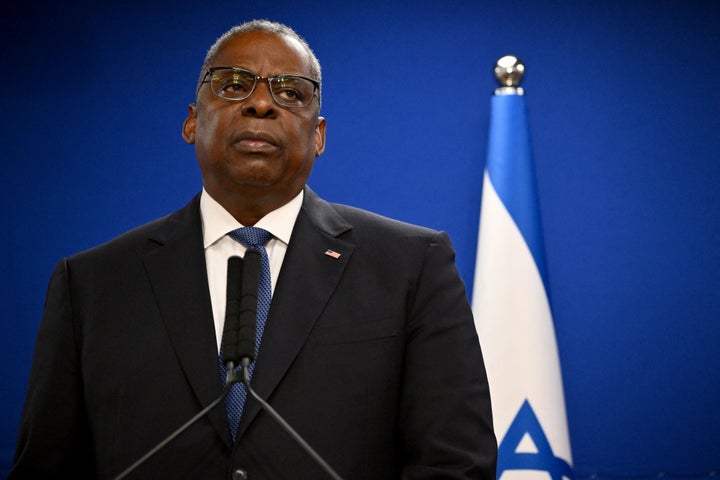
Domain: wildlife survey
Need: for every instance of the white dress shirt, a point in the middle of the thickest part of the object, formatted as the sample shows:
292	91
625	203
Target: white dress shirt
217	223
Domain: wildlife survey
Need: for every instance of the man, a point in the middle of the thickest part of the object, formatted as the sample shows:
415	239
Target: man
369	349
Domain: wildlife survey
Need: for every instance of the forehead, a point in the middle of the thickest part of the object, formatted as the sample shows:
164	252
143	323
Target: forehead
264	53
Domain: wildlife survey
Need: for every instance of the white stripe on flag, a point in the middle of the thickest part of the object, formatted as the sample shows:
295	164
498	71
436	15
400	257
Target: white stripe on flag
515	327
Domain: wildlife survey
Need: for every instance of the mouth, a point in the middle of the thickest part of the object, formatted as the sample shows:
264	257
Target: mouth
255	142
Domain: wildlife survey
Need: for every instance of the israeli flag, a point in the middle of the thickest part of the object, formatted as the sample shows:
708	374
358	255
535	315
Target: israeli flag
512	312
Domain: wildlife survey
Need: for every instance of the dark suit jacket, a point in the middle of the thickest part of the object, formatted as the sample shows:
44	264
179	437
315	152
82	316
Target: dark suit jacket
372	357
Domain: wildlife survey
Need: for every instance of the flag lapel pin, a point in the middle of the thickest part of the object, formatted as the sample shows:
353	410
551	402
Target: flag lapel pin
332	253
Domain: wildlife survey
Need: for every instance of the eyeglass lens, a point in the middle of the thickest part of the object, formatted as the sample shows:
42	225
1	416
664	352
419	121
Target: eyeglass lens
286	90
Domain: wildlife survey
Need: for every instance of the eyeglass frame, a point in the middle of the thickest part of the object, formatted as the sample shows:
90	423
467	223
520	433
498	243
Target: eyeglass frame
211	70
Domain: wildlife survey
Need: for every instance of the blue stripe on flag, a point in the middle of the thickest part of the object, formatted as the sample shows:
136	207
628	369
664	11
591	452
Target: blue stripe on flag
512	172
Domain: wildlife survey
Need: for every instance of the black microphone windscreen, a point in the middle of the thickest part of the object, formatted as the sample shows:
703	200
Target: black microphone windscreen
231	329
248	304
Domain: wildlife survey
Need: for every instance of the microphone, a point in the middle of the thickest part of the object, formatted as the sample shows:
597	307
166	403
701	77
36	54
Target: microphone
246	351
247	330
235	340
238	346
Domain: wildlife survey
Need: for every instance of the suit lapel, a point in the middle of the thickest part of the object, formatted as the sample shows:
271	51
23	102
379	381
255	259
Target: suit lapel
307	280
176	268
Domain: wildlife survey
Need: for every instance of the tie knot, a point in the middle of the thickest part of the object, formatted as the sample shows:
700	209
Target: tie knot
251	236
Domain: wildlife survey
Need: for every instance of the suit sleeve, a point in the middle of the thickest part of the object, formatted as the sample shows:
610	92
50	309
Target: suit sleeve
54	438
445	418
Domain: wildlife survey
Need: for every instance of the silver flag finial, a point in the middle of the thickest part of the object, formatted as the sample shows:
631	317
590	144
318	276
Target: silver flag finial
509	71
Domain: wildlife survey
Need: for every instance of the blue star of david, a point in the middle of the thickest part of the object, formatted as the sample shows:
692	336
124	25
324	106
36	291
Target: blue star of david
526	422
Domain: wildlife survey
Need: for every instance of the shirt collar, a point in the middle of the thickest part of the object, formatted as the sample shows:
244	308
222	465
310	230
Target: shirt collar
217	222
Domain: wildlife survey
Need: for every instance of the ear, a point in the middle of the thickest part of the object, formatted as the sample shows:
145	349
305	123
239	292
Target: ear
188	126
320	136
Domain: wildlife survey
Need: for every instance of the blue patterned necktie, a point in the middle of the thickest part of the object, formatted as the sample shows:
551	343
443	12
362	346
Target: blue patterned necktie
251	237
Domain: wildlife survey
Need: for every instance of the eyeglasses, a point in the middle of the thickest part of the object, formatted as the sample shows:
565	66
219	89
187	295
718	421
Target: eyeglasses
237	84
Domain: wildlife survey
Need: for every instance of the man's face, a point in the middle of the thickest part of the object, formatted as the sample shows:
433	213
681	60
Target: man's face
254	147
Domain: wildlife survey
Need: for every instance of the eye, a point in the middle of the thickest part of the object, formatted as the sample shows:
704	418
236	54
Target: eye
232	84
292	91
233	87
289	94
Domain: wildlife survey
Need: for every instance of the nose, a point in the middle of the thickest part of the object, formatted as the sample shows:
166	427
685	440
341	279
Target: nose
260	103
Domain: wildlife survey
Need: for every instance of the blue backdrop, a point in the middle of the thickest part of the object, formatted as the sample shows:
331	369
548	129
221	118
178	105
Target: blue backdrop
623	108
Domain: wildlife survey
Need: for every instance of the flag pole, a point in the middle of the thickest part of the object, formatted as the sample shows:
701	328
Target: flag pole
510	297
509	71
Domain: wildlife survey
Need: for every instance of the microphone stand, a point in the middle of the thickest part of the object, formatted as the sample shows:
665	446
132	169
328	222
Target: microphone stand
245	362
176	433
239	343
232	377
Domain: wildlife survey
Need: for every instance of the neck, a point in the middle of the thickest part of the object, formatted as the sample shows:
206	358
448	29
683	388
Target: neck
249	209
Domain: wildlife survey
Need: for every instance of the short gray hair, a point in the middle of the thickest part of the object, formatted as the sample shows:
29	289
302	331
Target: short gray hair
265	26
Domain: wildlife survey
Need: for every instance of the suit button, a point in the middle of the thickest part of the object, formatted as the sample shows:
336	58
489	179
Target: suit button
239	474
